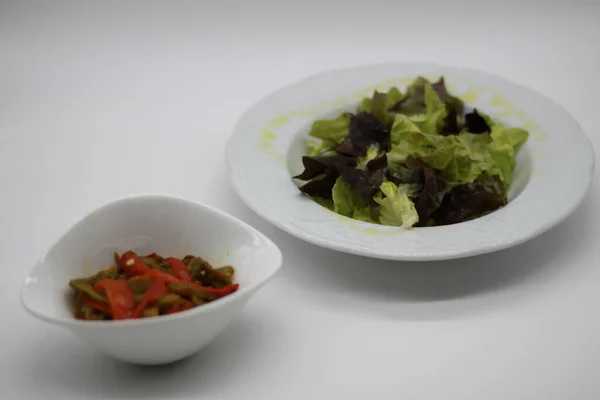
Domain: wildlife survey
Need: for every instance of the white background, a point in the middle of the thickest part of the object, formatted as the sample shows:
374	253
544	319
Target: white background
100	100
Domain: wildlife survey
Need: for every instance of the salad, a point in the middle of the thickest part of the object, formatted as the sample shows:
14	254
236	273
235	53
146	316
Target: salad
150	286
411	159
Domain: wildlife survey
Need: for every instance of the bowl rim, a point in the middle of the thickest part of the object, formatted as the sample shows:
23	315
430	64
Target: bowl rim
248	125
196	311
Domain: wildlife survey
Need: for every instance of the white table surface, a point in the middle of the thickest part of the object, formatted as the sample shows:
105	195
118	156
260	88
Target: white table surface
99	101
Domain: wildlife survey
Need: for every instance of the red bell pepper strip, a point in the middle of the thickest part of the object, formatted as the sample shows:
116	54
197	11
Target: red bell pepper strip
168	279
131	264
180	270
120	297
153	293
227	290
154	274
181	305
96	305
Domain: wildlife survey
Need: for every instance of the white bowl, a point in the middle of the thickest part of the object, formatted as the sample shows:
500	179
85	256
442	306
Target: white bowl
168	226
554	169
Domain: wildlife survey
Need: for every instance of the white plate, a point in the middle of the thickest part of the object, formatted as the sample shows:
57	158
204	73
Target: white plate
553	174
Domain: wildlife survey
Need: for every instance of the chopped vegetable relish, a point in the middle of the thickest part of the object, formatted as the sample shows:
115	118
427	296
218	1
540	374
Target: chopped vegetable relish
150	286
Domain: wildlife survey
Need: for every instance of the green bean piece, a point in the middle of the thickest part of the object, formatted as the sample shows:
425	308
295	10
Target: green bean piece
90	313
139	286
216	279
220	277
108	273
214	283
226	271
85	287
202	271
168	300
198	268
78	302
165	266
151	262
185	290
186	260
151	312
78	298
197	301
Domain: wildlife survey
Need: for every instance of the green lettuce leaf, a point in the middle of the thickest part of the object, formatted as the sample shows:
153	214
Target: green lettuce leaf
372	153
468	157
506	143
460	158
414	89
514	137
365	105
379	107
322	148
334	130
363	214
414	101
344	198
348	203
327	203
432	121
412	190
408	140
396	208
401	129
393	96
